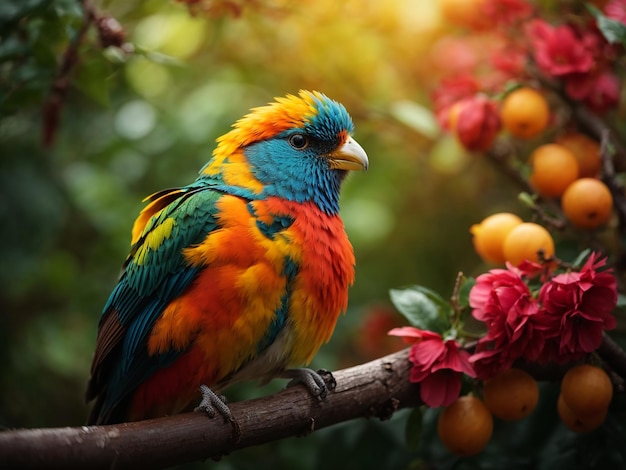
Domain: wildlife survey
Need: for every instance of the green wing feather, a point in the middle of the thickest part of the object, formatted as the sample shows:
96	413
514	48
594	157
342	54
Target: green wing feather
154	273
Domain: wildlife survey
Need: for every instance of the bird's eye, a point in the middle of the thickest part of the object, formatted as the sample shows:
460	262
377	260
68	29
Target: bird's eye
298	141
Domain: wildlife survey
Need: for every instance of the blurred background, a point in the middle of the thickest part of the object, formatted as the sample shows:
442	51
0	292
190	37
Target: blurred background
134	123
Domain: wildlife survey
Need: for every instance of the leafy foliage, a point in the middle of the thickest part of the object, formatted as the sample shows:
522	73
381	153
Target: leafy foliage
33	33
422	307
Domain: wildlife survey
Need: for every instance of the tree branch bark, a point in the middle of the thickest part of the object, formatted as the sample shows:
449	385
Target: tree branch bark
375	389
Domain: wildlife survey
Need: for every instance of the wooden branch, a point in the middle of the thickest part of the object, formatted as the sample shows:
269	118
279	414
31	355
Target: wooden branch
375	389
597	127
610	178
613	355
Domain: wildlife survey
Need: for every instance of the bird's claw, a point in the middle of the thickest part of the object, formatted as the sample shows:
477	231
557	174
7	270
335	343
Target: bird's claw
317	383
329	379
212	403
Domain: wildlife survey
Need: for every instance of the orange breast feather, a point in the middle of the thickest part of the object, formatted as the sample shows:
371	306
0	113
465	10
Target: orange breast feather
223	317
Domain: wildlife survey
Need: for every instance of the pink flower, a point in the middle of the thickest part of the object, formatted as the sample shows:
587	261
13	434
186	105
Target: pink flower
438	365
515	324
600	90
496	293
558	51
488	360
579	86
616	9
478	123
507	12
604	93
451	91
563	324
509	61
409	334
532	269
579	306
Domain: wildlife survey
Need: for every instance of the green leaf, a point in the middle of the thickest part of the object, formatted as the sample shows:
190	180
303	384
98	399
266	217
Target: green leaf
157	57
580	259
422	307
613	31
527	199
417	117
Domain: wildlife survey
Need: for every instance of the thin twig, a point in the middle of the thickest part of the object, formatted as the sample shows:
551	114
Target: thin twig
53	105
610	179
500	155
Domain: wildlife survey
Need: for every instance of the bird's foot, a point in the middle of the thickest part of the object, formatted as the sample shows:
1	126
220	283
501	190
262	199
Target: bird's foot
317	383
212	403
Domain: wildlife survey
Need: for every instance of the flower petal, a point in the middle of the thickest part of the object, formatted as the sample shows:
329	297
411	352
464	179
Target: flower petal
441	388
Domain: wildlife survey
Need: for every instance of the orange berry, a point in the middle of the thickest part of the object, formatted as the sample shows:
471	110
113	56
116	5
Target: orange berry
554	168
524	112
587	203
586	150
465	426
524	242
511	395
489	235
586	390
579	423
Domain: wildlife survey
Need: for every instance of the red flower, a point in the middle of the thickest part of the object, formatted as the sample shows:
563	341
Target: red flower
496	293
509	61
605	94
579	306
409	334
558	51
515	324
532	269
488	360
478	123
563	324
437	365
579	86
449	93
507	12
616	9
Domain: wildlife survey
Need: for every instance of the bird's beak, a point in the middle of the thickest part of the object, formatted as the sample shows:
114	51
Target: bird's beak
350	156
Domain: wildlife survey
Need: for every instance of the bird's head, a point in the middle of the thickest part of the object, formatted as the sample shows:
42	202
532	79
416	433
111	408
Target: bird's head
298	147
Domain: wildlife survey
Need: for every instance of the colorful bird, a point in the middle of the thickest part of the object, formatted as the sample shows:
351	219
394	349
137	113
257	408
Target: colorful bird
240	275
